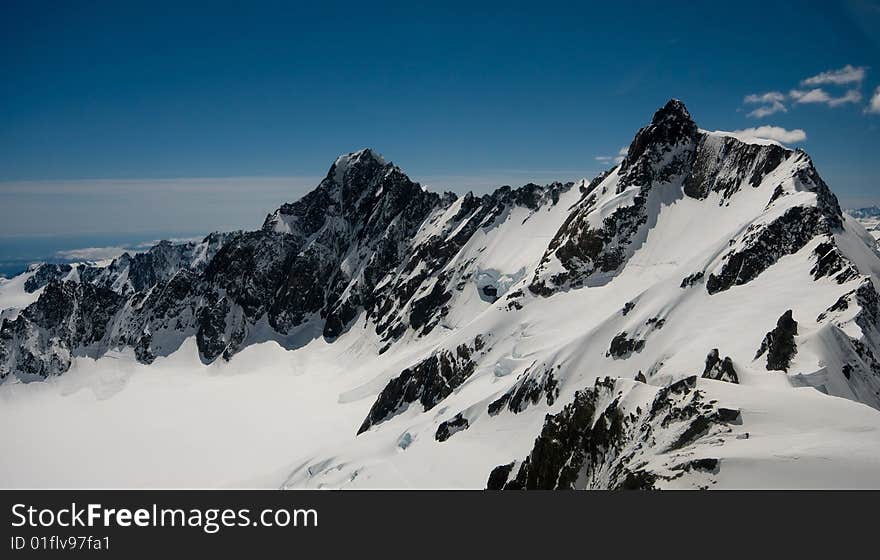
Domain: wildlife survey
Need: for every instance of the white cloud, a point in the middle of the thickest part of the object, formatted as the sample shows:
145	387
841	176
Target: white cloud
772	133
767	110
769	97
771	103
621	154
91	253
849	74
851	96
874	106
819	95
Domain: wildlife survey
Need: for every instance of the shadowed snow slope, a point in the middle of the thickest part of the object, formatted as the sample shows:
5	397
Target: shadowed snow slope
702	315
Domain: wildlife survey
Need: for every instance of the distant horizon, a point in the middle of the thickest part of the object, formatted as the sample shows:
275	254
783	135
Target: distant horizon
241	203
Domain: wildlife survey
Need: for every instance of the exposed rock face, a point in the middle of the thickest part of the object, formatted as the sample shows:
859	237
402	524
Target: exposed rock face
428	382
259	274
722	165
779	344
662	150
499	475
68	319
764	245
830	263
534	386
598	442
44	274
353	229
718	369
622	346
451	427
130	273
427	280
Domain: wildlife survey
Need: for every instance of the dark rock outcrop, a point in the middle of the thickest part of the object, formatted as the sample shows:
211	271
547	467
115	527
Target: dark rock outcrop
594	443
622	346
451	427
763	246
739	163
779	344
831	263
427	382
530	389
692	279
499	476
718	369
672	132
68	319
44	274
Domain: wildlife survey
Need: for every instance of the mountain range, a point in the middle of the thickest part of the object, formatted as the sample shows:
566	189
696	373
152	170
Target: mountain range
701	315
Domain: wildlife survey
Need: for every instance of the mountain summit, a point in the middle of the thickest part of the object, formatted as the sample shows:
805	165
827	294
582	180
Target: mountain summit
672	125
675	322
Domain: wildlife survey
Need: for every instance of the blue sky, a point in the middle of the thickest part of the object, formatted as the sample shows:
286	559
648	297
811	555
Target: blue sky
155	116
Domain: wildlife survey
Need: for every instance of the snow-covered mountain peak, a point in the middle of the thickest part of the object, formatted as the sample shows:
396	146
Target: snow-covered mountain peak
673	111
355	186
360	157
671	126
357	168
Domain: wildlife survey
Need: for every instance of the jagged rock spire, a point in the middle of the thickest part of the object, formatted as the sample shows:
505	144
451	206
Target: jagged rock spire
672	125
673	112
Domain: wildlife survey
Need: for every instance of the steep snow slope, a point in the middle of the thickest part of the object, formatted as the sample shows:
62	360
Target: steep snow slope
701	315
